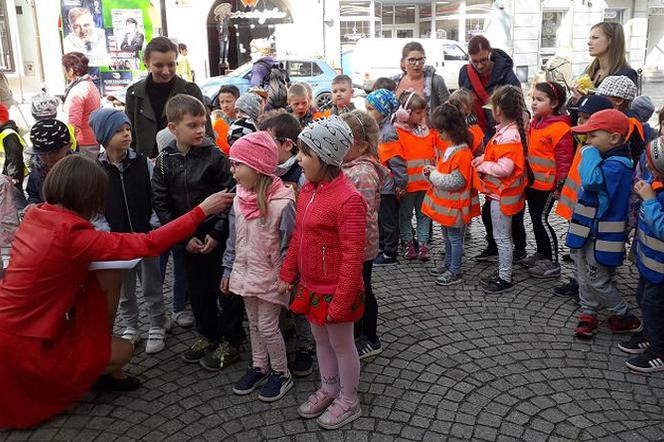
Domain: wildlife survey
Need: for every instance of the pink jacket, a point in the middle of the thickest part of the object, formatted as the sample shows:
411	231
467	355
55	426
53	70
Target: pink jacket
83	99
327	248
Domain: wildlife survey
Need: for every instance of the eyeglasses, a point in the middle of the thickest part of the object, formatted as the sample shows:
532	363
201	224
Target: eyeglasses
416	61
484	60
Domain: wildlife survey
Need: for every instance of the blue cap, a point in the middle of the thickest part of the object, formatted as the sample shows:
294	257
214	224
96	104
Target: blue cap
593	103
105	122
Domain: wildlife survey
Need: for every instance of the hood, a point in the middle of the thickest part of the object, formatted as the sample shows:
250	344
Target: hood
284	167
539	123
619	151
10	124
173	149
502	67
367	160
507	134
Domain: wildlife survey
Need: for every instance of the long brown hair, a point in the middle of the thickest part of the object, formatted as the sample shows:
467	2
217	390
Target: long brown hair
365	130
614	32
509	99
451	119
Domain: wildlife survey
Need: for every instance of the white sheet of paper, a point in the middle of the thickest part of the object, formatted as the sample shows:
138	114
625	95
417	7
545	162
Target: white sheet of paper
114	265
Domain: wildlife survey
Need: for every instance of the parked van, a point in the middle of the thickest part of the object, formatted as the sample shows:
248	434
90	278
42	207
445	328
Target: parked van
372	58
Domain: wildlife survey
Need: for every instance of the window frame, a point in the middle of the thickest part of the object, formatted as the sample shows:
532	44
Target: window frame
7	54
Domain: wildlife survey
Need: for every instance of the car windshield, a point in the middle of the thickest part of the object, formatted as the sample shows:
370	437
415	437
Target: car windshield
241	70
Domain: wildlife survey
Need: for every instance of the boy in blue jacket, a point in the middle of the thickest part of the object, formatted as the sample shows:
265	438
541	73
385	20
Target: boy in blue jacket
597	231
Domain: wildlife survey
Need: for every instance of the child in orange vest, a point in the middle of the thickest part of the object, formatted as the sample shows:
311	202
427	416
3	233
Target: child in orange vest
419	147
451	201
225	115
463	99
550	147
500	173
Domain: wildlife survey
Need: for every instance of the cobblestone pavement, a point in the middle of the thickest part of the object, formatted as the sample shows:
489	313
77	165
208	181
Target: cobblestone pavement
458	364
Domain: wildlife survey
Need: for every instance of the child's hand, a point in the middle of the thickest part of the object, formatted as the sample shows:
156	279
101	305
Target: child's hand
284	287
427	171
194	245
645	191
477	161
224	285
209	245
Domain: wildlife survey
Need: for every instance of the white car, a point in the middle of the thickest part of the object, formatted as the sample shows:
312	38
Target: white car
372	58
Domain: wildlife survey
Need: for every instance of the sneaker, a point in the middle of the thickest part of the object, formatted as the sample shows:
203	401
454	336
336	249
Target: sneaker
315	405
276	387
131	334
497	285
184	319
339	414
109	383
438	270
221	357
637	344
197	351
532	260
411	253
423	254
303	364
518	256
586	327
448	278
491	277
156	340
367	348
251	380
568	290
487	255
646	362
383	260
625	324
545	270
567	258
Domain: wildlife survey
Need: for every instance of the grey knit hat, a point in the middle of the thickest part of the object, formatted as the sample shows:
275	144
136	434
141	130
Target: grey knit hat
250	104
44	106
643	107
618	86
331	139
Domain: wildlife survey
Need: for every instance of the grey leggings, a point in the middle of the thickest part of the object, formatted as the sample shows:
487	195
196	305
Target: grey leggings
502	233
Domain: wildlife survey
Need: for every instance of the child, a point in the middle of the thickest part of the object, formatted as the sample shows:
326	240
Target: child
299	104
342	94
597	230
247	110
184	68
463	99
384	83
451	201
260	224
11	150
500	175
285	129
362	168
223	117
174	193
128	210
327	251
419	149
381	104
550	147
642	107
648	347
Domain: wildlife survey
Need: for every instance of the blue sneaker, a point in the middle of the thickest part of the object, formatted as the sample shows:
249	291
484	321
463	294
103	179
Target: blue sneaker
383	260
250	381
277	386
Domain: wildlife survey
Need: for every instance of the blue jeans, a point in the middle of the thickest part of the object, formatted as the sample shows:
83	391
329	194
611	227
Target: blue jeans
410	201
179	276
651	300
453	243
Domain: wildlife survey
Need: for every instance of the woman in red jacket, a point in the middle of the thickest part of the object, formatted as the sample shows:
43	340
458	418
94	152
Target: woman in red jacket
327	251
55	314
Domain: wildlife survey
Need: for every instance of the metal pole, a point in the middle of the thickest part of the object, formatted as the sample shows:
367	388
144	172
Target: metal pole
40	58
164	24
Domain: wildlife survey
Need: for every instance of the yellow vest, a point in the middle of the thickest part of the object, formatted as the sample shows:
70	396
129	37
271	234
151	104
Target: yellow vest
4	134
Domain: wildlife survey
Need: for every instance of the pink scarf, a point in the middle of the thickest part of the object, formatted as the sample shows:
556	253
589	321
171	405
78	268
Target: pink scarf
248	199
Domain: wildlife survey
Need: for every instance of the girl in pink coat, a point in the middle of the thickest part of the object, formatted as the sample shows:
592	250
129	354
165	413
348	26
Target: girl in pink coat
260	226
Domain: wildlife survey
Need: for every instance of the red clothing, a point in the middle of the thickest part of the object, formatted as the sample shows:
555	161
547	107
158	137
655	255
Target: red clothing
563	151
53	313
327	247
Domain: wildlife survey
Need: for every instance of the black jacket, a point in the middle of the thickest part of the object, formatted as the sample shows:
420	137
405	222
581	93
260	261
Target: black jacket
181	182
13	167
128	198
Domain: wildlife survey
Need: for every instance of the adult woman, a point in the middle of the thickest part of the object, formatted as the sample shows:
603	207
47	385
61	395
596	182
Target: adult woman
146	100
607	44
81	99
56	314
420	78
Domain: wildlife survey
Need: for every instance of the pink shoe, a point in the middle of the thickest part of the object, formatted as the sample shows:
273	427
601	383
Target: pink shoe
339	414
410	251
424	253
315	405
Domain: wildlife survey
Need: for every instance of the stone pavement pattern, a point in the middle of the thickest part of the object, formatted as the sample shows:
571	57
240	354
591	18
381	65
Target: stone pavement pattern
458	364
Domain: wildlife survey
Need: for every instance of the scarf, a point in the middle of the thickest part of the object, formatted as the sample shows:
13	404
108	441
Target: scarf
248	199
71	85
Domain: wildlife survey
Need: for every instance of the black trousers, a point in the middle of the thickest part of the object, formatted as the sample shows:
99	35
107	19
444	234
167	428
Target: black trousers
388	224
518	229
369	321
540	203
204	274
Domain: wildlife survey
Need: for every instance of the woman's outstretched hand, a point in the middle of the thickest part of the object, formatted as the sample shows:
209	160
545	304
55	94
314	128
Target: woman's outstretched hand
217	203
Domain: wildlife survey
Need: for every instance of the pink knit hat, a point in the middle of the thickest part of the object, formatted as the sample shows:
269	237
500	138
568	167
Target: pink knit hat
258	151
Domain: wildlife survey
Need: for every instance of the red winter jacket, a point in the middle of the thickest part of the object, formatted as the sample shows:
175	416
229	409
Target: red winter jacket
563	151
327	247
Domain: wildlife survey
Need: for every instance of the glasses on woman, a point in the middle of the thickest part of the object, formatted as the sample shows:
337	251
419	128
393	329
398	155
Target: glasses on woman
416	61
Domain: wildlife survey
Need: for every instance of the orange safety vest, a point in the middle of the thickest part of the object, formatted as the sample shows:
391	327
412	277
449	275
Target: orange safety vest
509	189
221	129
449	207
478	138
541	145
389	150
570	193
418	152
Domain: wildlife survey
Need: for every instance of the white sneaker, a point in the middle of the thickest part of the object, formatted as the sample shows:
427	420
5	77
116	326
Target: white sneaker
156	340
131	334
183	319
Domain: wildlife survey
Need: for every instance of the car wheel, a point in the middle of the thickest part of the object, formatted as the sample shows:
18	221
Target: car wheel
323	99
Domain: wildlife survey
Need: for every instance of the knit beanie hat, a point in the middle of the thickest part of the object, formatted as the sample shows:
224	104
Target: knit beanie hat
44	106
48	136
250	104
105	123
655	154
331	139
618	86
384	101
258	151
643	107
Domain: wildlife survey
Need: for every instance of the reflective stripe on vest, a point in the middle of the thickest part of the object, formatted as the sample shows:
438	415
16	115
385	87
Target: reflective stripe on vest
649	248
418	152
570	192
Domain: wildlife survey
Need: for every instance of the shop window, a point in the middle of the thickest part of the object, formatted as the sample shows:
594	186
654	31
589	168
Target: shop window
474	26
614	15
447	8
300	69
478	6
425	12
351	31
388	15
387	33
551	21
355	8
404	14
405	33
448	29
6	54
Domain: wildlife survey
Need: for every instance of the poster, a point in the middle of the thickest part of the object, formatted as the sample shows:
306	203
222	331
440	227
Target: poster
115	81
82	33
128	30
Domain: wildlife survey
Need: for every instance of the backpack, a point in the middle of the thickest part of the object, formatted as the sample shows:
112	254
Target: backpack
276	84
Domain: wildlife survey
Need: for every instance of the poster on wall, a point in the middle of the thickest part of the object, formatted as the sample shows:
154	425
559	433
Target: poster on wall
113	34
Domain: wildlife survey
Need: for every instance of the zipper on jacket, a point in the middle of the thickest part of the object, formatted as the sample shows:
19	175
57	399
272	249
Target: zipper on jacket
124	195
324	262
306	209
186	186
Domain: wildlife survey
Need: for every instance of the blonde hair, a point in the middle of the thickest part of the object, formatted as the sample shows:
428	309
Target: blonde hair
298	90
263	184
365	130
310	91
462	97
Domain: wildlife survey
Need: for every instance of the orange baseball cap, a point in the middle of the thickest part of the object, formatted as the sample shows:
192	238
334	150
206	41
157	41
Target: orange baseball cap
609	120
